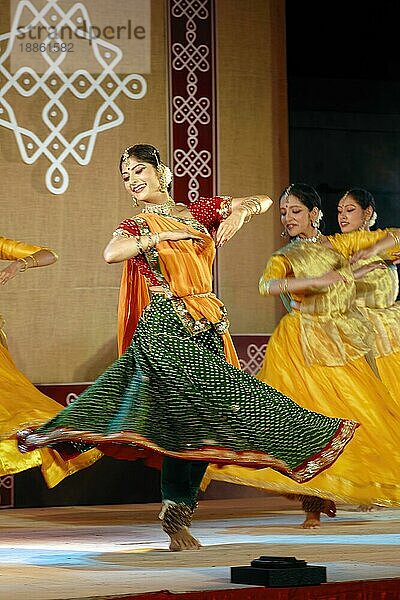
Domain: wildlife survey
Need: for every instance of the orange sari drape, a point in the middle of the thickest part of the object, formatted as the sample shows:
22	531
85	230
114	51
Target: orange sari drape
187	269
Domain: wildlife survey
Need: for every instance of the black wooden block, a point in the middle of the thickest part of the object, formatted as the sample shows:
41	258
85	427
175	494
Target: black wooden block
275	571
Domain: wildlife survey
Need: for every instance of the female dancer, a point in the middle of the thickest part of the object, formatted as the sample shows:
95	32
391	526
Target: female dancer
20	402
377	291
173	392
316	355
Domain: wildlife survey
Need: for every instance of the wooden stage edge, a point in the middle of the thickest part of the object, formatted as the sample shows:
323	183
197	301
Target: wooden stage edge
383	589
119	552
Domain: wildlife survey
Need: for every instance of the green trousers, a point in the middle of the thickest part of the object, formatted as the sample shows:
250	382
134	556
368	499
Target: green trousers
181	479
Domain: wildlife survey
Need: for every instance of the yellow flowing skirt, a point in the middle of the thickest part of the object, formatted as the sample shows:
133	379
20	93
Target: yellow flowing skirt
389	371
368	470
22	405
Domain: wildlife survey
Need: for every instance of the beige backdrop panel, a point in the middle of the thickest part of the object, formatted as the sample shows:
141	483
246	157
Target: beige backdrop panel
61	320
253	147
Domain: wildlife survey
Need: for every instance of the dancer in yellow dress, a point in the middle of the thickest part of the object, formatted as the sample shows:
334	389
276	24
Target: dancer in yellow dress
316	355
20	402
376	292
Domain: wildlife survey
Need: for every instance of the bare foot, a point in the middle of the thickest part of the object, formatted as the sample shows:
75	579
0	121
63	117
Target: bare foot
312	520
183	540
365	508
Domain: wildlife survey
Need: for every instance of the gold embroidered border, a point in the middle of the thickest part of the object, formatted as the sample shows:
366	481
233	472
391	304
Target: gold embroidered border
212	454
329	454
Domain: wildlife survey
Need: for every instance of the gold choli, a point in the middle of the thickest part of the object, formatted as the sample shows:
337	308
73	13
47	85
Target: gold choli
332	332
376	300
376	292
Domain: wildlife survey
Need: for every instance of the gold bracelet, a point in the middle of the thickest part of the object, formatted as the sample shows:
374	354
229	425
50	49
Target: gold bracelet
150	241
256	202
139	244
249	213
395	237
265	287
35	262
154	239
252	206
284	286
25	265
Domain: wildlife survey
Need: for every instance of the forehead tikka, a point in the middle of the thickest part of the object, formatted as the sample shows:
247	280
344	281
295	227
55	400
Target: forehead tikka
286	193
125	154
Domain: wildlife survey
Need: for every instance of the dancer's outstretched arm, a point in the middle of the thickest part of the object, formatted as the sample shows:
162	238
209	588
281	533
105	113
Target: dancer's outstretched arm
243	209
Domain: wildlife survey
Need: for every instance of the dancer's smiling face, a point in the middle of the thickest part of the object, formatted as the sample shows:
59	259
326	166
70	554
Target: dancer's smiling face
296	218
141	179
351	215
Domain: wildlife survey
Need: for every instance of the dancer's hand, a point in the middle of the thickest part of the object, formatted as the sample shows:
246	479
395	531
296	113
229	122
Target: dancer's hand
362	254
177	235
230	226
9	272
329	279
397	259
365	269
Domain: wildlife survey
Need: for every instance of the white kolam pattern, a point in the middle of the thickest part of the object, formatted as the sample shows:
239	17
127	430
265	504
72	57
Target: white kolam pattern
192	109
54	84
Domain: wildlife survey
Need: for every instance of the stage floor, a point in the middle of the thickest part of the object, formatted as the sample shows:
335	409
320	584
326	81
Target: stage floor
77	552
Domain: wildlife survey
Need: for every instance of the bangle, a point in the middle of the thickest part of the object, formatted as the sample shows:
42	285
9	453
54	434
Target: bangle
139	245
396	238
252	206
249	213
154	239
35	262
265	286
284	286
256	203
25	264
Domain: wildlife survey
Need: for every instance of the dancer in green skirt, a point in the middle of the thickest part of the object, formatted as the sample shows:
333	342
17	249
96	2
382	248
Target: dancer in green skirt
177	392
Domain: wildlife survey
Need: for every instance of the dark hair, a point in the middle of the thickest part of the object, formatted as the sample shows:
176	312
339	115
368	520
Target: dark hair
305	193
364	198
145	152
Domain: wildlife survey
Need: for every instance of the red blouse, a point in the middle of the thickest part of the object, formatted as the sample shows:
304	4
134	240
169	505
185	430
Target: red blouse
209	212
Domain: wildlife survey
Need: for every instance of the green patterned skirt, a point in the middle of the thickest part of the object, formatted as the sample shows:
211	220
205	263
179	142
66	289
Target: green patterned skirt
173	394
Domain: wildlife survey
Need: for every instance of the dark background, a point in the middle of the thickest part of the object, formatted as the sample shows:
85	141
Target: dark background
344	130
344	101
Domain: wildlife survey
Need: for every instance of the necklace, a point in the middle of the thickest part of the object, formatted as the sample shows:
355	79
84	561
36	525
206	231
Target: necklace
314	239
160	209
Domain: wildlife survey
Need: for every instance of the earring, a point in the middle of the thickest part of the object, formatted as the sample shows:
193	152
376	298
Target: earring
164	177
317	221
284	233
163	183
134	201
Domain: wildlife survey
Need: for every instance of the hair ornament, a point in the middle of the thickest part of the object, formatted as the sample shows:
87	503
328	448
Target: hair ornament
165	176
317	221
373	219
156	157
286	193
125	154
